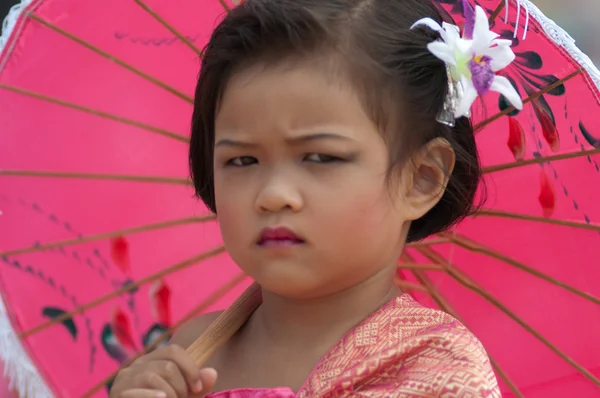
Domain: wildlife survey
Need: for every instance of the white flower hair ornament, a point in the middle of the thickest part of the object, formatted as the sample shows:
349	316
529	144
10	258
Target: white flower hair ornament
472	62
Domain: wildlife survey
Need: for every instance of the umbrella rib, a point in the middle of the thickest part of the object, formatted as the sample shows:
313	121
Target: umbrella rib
405	285
470	284
532	97
475	247
127	288
95	112
539	160
95	176
496	12
428	242
210	300
544	220
108	235
400	277
170	27
225	6
418	266
112	58
445	305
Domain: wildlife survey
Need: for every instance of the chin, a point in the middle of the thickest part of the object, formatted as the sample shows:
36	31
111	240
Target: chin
299	287
290	285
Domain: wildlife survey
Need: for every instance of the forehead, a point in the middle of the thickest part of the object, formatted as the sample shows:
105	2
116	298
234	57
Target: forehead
267	99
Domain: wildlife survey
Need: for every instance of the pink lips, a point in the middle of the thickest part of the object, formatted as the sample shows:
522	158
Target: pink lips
278	237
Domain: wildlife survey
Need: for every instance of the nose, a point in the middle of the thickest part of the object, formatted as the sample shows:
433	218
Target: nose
278	195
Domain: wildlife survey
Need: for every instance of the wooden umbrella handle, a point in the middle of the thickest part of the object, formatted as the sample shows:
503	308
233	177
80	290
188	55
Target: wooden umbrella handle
226	325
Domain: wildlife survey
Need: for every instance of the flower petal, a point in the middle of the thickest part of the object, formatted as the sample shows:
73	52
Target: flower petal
482	75
492	36
481	31
502	85
469	14
452	33
501	56
468	97
464	46
442	51
501	42
430	23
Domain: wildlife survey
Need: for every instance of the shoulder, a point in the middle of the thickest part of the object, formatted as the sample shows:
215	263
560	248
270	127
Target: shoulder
437	329
445	346
189	332
412	350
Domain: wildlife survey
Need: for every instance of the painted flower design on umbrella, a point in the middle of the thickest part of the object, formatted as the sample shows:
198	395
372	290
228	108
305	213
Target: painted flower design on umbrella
474	58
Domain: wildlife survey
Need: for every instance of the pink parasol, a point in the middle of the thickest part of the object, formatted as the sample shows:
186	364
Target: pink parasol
103	249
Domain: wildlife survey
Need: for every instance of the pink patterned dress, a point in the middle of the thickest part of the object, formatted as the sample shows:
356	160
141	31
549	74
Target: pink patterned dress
401	350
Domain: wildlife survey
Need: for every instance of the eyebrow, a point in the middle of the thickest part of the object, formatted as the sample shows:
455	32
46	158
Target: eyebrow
293	140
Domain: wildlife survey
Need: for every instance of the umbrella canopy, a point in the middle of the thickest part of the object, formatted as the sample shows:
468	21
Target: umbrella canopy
103	248
107	131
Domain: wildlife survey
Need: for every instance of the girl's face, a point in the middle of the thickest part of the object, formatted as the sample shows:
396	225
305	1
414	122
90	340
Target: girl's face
300	184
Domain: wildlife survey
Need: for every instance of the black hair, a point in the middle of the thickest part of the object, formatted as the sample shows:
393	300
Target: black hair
371	41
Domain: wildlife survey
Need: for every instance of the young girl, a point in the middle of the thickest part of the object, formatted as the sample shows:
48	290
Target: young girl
326	135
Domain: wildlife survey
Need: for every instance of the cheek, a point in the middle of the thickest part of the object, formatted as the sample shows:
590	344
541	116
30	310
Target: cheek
231	191
363	215
231	209
365	196
362	236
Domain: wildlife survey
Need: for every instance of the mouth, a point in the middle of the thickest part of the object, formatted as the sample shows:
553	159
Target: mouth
279	237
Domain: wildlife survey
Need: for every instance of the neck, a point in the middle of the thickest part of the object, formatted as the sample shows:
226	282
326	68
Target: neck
298	324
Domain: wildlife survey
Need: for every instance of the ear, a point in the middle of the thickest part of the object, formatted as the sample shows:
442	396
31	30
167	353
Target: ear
426	176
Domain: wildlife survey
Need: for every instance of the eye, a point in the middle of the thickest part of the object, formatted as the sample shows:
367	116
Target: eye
321	158
242	161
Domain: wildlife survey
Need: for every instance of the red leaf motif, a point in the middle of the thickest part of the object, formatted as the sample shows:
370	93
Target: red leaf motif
119	251
549	130
160	302
516	138
547	196
122	329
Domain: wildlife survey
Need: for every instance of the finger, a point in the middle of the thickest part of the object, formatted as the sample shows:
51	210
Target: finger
143	393
155	382
171	374
208	377
182	359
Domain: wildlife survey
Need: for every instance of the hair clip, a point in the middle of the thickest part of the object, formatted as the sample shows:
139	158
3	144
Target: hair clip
451	102
472	62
